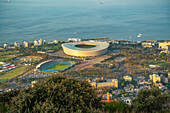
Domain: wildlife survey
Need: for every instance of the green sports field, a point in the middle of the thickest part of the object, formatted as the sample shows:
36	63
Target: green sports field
59	67
13	73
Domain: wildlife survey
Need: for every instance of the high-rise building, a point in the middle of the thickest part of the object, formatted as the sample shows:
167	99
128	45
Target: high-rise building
35	43
40	42
5	46
26	44
44	42
16	44
30	43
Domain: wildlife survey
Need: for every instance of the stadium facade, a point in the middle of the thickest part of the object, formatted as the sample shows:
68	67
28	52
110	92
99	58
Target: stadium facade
85	49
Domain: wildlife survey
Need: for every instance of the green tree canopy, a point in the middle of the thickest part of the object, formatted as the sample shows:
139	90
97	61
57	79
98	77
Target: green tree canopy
5	99
113	107
57	94
150	100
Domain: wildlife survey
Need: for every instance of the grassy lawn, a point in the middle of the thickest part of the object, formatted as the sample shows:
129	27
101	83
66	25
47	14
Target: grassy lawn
59	67
49	47
5	58
9	53
157	63
12	73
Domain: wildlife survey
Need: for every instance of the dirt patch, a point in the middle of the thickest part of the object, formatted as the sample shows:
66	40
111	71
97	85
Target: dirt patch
84	65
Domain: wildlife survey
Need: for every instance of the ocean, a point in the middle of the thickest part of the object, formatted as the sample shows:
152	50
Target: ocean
28	20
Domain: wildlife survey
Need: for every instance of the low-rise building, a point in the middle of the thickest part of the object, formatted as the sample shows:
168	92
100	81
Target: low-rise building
139	78
1	49
126	100
155	78
33	83
55	41
165	51
160	86
129	88
115	42
124	42
111	80
116	92
136	90
41	52
95	79
105	96
154	66
105	84
142	82
11	47
127	78
2	62
148	44
74	39
164	45
164	79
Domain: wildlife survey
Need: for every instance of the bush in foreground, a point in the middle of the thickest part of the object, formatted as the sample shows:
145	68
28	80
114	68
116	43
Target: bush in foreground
119	107
151	100
5	99
57	94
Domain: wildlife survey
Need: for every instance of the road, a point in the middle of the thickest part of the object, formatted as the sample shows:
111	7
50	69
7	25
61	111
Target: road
120	74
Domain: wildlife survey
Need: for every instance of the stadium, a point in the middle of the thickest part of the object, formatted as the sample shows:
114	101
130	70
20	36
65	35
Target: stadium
85	49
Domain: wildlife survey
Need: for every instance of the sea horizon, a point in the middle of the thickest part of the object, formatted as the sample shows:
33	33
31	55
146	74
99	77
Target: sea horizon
30	20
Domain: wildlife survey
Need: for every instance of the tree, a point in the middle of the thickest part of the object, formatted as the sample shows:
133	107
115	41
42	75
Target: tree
113	88
122	79
113	107
133	82
150	100
122	91
5	99
126	94
57	94
153	51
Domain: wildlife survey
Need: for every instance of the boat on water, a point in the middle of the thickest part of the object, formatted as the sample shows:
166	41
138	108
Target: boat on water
102	2
6	1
